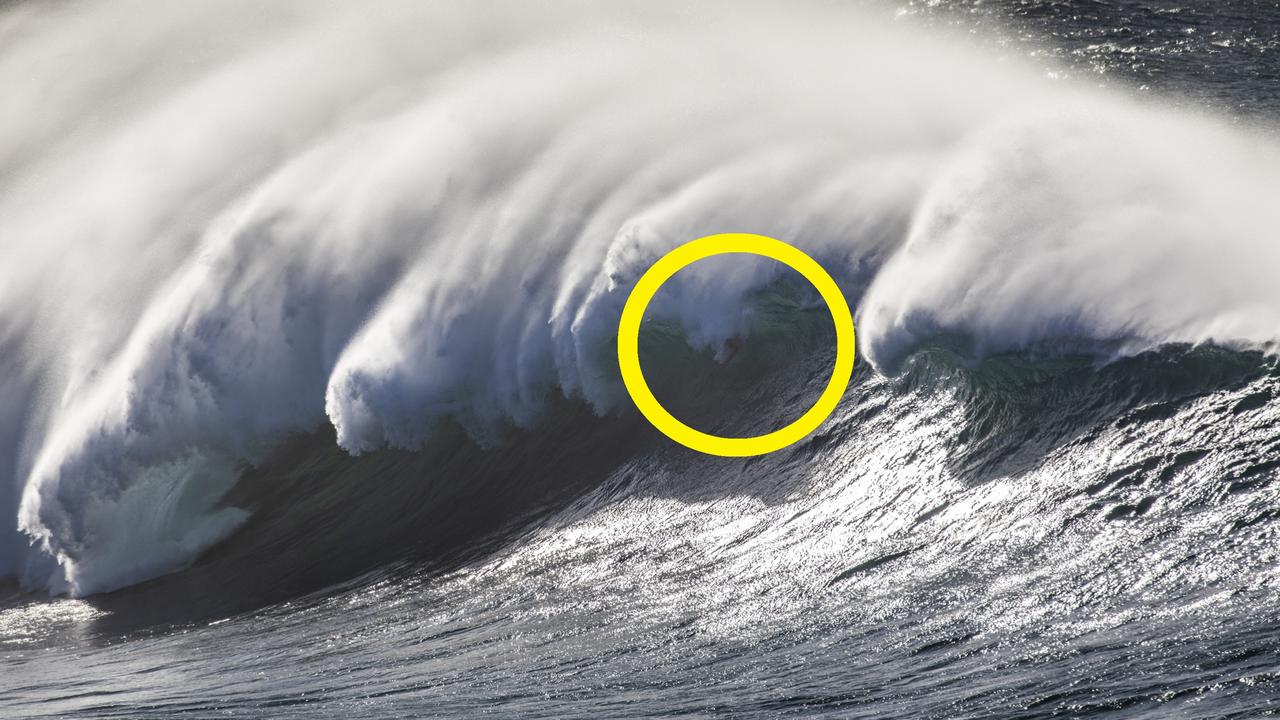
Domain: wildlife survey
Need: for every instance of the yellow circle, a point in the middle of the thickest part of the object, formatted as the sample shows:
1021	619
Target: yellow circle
668	265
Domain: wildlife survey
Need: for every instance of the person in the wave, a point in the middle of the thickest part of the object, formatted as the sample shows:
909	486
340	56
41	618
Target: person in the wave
730	348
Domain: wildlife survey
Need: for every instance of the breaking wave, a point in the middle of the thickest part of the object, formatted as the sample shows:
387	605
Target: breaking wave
228	226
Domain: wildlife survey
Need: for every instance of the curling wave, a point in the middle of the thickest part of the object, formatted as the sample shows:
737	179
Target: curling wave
390	222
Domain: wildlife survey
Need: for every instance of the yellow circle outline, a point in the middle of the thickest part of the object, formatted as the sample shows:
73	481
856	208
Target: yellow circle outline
674	261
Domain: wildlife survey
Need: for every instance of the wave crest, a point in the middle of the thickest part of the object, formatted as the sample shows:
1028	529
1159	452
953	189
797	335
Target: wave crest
329	220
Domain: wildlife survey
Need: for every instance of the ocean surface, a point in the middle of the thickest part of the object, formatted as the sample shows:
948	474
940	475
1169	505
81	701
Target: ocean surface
309	401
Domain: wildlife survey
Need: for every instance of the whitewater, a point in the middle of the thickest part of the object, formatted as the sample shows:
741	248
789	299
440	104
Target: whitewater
297	297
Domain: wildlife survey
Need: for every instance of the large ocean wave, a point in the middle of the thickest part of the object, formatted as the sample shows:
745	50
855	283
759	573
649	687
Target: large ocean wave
229	226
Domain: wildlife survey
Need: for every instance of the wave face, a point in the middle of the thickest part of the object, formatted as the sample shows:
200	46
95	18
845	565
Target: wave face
225	226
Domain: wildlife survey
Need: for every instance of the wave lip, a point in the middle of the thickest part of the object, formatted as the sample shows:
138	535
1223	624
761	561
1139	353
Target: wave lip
1092	227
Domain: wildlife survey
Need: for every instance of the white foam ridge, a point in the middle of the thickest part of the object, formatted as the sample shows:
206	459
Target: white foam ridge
222	223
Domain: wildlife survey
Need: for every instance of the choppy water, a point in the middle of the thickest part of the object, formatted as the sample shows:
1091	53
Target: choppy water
311	409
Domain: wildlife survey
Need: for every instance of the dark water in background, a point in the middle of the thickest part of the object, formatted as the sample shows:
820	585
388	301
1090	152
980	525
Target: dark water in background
1215	54
1025	538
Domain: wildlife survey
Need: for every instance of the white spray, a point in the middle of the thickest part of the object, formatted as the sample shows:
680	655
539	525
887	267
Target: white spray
224	223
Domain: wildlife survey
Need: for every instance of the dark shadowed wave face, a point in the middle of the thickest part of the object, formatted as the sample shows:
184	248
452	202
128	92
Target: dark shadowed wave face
311	405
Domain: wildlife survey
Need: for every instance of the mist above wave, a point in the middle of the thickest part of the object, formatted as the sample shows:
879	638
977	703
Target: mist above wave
225	223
